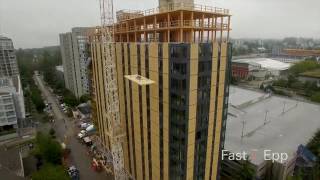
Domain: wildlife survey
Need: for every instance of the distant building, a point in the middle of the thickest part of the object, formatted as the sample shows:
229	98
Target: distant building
8	62
60	73
12	110
258	68
76	60
294	55
248	71
258	122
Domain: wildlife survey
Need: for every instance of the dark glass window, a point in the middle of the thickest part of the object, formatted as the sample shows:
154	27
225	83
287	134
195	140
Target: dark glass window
178	68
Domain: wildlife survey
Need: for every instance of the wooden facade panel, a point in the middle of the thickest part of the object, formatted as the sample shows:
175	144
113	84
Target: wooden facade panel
194	67
122	107
193	96
215	52
193	82
145	132
137	130
141	130
194	52
224	49
214	78
154	112
142	60
192	111
165	81
221	90
165	76
222	76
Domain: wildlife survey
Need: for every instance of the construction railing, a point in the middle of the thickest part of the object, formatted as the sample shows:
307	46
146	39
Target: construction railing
129	14
172	24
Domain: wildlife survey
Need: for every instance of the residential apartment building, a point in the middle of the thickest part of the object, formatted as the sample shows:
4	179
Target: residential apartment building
172	68
8	62
76	60
12	110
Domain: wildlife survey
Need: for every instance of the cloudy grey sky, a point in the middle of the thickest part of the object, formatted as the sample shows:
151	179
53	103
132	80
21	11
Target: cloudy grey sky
37	23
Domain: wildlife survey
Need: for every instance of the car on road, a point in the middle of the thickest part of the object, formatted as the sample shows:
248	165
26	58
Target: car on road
73	173
84	125
82	134
62	105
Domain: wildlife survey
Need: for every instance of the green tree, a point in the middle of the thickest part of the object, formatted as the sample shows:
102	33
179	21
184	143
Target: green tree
69	98
52	132
50	172
316	98
246	172
281	83
37	99
303	66
314	144
48	149
85	98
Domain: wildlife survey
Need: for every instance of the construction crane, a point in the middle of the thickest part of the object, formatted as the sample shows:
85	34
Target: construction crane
114	129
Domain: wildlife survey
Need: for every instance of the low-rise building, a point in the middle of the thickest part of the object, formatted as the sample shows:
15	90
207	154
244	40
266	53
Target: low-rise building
261	125
248	71
258	68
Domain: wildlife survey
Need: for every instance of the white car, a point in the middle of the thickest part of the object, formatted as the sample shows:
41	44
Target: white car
84	125
81	135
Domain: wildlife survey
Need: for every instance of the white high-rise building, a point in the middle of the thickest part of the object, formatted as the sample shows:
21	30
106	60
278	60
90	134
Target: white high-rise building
76	60
11	101
12	109
8	62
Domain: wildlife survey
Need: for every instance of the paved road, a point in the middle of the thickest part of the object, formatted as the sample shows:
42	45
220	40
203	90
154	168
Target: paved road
65	131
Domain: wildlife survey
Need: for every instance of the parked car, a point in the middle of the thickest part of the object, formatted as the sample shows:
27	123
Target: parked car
81	135
87	141
84	125
73	173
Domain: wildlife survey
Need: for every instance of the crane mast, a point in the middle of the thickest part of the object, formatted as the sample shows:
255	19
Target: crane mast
114	130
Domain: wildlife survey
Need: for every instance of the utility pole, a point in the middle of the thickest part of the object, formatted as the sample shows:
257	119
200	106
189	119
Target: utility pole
265	117
242	131
284	106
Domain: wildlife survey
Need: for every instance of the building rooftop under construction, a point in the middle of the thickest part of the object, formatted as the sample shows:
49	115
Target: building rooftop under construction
173	22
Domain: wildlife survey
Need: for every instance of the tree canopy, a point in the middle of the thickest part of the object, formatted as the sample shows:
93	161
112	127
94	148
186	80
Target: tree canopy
48	149
304	66
50	172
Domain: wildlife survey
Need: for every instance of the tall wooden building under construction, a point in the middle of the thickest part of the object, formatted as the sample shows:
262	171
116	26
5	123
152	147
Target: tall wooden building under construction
172	74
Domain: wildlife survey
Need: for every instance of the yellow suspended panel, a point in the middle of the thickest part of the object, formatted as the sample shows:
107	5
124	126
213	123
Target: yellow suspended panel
140	80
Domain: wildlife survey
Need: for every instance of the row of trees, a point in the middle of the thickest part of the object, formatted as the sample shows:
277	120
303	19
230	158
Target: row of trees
47	150
46	66
31	92
48	153
308	89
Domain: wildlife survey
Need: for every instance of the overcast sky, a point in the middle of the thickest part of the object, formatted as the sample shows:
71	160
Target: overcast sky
37	23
